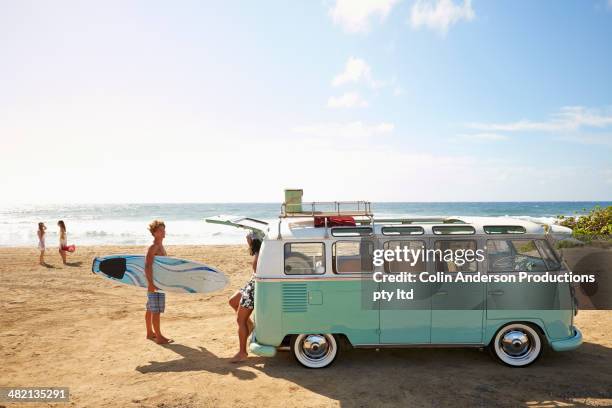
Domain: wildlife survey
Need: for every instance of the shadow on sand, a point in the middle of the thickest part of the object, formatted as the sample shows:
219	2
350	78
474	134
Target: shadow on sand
426	377
199	359
79	263
454	377
48	266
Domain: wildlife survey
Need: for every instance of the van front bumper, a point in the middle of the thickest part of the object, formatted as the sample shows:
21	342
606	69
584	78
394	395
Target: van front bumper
568	344
261	350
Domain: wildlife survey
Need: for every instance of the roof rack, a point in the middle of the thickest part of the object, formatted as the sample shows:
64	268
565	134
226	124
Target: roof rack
327	209
420	220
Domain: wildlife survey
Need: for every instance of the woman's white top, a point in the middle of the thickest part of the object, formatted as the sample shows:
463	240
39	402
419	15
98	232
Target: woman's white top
41	240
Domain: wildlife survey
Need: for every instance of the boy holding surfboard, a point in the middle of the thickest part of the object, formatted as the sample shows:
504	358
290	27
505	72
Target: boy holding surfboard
156	301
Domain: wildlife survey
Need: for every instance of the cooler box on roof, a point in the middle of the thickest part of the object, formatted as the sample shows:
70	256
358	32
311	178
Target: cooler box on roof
293	200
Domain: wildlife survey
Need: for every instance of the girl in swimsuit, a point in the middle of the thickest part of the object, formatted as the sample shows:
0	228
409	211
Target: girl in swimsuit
41	242
63	241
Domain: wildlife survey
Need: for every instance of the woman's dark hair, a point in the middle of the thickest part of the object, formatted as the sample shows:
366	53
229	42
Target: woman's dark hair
61	225
255	246
41	226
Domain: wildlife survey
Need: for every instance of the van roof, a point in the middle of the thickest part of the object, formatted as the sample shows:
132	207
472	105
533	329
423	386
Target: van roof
303	228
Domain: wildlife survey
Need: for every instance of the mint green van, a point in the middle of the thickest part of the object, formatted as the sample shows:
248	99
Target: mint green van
314	282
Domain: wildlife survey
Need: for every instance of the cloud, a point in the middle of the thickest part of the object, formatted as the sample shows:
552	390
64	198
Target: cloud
350	130
483	137
357	70
569	118
347	100
440	15
588	139
354	15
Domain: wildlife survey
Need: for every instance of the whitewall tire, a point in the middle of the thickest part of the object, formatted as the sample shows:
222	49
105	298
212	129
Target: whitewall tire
517	345
314	350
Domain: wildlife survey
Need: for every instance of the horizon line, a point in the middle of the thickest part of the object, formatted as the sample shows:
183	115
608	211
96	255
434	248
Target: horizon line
304	202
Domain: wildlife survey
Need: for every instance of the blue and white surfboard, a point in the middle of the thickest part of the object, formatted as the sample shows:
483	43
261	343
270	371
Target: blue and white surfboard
169	274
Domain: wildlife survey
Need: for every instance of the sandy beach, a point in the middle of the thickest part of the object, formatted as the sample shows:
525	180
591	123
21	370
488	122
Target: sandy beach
64	326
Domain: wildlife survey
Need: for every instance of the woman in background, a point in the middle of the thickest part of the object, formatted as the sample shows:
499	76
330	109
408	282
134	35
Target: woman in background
63	241
41	242
243	302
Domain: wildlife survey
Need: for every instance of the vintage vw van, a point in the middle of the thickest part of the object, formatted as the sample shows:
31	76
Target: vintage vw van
314	285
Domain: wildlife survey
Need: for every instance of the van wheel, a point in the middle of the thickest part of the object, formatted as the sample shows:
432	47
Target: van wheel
517	345
314	350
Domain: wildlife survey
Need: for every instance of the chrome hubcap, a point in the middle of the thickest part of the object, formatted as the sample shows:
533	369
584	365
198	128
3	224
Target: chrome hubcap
516	343
315	346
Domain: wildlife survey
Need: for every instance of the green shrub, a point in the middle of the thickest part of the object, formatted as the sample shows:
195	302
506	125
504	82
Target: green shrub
598	222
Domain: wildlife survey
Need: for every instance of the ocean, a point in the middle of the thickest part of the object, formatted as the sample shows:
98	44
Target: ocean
126	224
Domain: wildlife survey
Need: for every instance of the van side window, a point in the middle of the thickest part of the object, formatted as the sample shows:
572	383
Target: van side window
402	230
413	265
453	230
351	231
304	258
514	255
458	248
353	256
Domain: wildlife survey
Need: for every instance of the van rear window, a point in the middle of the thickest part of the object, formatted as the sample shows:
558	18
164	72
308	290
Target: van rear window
304	258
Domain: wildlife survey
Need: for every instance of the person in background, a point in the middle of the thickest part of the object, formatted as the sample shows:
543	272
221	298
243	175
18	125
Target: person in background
41	242
63	241
243	302
156	301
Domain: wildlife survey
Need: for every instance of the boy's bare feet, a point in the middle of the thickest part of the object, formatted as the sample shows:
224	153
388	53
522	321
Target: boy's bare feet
239	357
163	340
151	336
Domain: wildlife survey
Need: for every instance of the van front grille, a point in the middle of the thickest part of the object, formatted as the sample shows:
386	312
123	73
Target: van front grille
295	297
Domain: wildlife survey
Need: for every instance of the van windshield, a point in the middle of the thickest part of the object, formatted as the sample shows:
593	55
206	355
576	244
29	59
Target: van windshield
514	255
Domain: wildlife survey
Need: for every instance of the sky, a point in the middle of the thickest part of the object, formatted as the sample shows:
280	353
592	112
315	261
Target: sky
381	100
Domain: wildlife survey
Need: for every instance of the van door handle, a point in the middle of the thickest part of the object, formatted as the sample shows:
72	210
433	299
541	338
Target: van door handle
496	292
442	292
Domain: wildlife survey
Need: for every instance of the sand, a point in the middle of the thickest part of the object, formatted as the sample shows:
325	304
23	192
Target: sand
64	326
